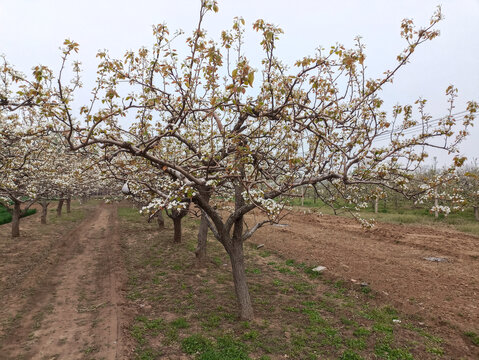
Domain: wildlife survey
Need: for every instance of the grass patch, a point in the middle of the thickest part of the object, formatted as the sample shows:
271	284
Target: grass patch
293	318
473	337
406	213
6	217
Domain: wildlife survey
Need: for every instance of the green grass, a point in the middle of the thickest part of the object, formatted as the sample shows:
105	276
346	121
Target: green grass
130	214
6	217
473	337
405	213
302	315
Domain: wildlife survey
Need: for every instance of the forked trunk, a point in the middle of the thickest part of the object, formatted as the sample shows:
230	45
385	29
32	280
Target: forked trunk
43	218
200	251
177	229
160	220
59	207
69	202
239	278
16	220
476	212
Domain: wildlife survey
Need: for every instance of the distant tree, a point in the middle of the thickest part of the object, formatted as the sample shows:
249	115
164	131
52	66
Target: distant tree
22	166
438	190
468	187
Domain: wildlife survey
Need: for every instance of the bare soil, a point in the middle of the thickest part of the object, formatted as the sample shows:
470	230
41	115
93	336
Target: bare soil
391	260
62	285
60	289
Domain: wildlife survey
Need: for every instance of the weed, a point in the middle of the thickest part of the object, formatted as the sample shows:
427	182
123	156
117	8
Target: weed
350	355
277	282
290	262
225	348
473	337
195	344
211	322
385	351
180	323
250	335
435	350
361	332
347	322
358	343
91	349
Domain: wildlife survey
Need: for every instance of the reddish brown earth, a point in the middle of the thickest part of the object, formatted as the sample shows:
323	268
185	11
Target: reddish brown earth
61	297
60	292
390	259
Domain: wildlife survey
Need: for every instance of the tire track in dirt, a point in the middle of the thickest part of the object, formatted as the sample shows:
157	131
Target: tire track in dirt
75	312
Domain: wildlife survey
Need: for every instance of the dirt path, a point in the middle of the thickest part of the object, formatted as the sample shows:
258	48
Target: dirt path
391	259
73	313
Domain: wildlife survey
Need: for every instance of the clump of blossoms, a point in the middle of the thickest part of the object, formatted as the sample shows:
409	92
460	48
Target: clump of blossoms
441	209
270	206
173	197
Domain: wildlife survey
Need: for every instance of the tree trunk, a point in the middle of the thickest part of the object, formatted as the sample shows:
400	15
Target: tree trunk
16	220
44	205
160	220
59	207
476	212
177	229
200	251
376	205
237	260
436	203
69	201
239	278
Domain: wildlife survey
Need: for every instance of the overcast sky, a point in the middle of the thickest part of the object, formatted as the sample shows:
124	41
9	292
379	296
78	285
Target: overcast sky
31	32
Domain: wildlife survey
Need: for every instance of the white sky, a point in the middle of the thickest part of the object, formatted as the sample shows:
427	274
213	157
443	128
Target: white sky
31	32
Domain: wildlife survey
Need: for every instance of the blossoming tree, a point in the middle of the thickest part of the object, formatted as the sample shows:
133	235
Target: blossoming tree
215	123
468	185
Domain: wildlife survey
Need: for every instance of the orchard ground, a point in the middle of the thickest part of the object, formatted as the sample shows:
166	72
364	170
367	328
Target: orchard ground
102	283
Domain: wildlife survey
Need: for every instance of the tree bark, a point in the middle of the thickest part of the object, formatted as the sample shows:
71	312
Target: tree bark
239	277
59	207
376	205
176	216
436	203
177	229
200	251
69	201
236	254
43	218
476	212
16	219
160	220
